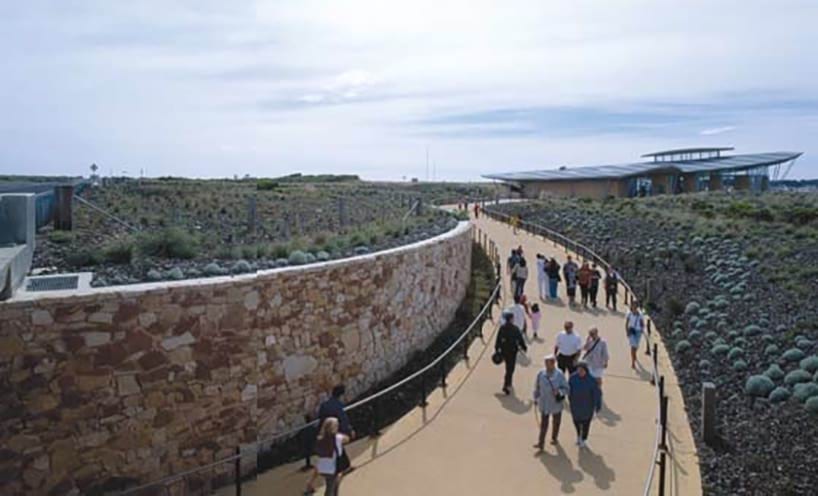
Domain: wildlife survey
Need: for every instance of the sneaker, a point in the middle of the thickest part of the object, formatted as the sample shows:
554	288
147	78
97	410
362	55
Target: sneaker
585	444
582	443
554	441
579	442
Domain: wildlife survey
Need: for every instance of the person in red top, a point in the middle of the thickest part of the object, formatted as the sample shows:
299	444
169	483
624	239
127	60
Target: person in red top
584	280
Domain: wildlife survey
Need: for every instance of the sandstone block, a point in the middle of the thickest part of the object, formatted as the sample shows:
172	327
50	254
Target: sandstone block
147	319
41	317
101	318
127	385
298	366
249	392
251	300
93	339
174	342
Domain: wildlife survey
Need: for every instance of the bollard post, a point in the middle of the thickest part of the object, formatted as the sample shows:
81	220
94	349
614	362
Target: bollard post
647	349
238	471
661	386
663	420
443	373
466	348
709	413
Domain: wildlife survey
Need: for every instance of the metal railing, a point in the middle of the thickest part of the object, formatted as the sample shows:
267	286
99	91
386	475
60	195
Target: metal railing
436	367
660	452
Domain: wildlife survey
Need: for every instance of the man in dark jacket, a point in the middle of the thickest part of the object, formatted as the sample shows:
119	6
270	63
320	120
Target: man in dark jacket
334	407
509	341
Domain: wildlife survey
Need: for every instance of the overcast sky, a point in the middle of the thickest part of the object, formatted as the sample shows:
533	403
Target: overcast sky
216	88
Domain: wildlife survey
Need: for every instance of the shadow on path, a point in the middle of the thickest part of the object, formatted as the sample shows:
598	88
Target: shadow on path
561	468
594	465
512	403
608	416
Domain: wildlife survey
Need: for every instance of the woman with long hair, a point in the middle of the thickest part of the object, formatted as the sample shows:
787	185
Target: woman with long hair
329	447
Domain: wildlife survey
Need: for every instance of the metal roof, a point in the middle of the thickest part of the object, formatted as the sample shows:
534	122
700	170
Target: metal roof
679	151
735	162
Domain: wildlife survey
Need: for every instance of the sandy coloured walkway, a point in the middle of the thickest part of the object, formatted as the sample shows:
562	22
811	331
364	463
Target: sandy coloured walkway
473	440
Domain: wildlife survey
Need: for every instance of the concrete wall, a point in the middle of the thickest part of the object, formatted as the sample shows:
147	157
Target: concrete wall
17	226
148	380
598	189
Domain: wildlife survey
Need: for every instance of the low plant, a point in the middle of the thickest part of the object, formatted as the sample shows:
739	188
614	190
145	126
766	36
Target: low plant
759	386
61	237
779	394
793	355
683	347
84	258
804	391
119	252
169	243
739	365
735	353
810	363
720	349
774	372
297	257
811	405
796	377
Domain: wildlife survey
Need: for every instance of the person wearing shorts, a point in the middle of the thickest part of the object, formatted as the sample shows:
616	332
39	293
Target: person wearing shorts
596	354
634	325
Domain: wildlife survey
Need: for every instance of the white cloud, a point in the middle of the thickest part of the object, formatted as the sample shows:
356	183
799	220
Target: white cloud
717	130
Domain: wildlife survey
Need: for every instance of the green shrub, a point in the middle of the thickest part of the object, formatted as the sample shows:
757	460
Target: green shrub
720	349
759	386
739	365
84	258
119	252
683	347
169	243
279	251
810	364
805	390
322	256
779	395
61	237
752	330
266	185
812	405
793	355
772	349
734	354
249	252
797	376
297	257
174	274
774	372
262	250
694	335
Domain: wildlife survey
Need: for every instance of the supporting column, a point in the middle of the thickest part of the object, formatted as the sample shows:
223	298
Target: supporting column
63	198
709	413
715	182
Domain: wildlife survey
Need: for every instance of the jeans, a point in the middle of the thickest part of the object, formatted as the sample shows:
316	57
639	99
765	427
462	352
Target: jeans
556	421
331	483
582	426
519	286
583	291
552	287
610	299
511	363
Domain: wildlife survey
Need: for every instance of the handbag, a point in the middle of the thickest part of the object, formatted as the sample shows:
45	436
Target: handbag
497	358
557	395
342	462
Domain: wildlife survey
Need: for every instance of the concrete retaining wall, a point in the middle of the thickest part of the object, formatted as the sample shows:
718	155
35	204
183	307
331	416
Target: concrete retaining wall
147	380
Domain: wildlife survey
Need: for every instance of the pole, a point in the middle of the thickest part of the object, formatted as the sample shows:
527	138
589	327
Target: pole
238	471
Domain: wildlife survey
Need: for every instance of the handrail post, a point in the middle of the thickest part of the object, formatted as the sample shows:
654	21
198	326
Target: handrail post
663	421
647	345
237	469
375	418
443	373
423	403
662	465
466	348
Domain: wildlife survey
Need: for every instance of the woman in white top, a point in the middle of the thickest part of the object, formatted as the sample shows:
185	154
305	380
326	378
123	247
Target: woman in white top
634	325
329	447
520	276
596	354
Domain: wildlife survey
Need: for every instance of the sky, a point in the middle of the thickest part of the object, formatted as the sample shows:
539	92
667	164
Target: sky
211	88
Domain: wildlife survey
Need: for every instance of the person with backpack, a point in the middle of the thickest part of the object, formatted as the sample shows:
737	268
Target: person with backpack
634	326
550	390
585	399
596	355
611	287
553	271
331	454
508	343
593	289
569	270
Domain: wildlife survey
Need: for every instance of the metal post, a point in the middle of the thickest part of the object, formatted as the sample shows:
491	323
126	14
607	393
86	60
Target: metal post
466	348
661	386
663	420
443	373
709	413
63	197
423	403
375	418
238	471
647	350
662	465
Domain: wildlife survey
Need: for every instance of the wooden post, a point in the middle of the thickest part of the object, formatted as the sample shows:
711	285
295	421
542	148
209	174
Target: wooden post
709	413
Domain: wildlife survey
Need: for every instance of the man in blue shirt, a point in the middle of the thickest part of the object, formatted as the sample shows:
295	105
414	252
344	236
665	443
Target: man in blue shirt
334	407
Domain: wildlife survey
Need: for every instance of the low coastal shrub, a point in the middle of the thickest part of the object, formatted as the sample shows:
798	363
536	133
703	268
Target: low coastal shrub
683	347
796	377
810	364
169	243
759	386
779	394
774	372
804	391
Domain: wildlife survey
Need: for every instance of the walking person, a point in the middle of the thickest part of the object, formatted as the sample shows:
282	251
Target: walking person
535	316
567	348
511	265
553	271
593	289
634	326
331	453
521	275
585	398
542	277
569	270
550	391
611	287
476	210
508	343
518	310
596	355
584	280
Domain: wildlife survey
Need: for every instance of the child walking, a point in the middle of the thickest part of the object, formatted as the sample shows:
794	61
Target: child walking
536	315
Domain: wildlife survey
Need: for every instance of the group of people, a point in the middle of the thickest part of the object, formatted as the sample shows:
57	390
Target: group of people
334	432
549	275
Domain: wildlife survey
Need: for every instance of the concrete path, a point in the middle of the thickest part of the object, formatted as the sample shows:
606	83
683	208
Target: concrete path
472	439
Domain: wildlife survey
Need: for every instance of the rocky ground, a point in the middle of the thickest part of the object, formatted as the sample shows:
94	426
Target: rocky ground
731	282
174	229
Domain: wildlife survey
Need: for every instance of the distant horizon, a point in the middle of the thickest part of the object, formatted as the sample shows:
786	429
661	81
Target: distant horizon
211	89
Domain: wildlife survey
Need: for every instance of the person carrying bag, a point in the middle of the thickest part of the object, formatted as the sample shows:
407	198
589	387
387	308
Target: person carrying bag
550	391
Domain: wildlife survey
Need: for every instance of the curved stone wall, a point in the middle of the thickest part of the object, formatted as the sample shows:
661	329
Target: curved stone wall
146	380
